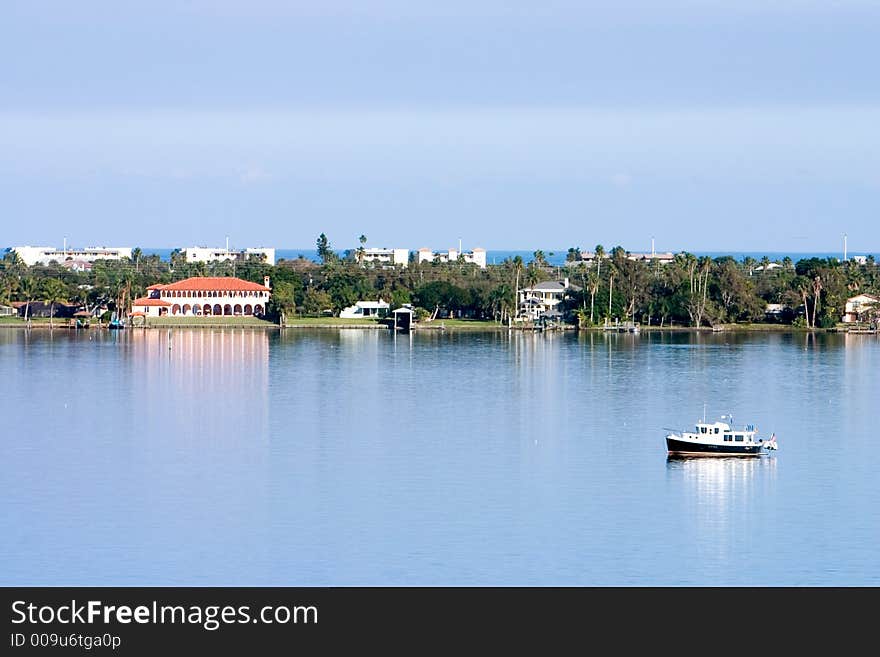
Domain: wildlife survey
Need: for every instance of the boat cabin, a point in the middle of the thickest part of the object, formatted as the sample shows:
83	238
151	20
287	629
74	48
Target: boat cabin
722	432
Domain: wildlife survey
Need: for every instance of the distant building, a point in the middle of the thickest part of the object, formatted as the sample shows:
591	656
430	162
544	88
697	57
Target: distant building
543	299
589	257
859	307
366	309
392	257
476	256
32	255
7	311
220	254
202	296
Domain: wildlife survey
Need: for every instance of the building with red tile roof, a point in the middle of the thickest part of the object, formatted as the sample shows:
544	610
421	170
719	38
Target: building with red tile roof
205	296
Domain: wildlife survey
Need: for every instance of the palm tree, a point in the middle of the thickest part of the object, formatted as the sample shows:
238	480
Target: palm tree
360	252
817	291
540	259
136	255
600	253
28	289
593	285
54	291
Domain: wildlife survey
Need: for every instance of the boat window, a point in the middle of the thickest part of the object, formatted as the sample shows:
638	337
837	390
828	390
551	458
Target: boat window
727	437
739	437
702	429
717	429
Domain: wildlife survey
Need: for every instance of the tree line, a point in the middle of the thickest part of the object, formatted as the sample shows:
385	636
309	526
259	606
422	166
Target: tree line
688	291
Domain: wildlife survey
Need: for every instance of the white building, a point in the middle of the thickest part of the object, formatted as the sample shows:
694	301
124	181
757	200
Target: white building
31	255
384	256
543	299
210	254
477	256
364	309
204	296
858	307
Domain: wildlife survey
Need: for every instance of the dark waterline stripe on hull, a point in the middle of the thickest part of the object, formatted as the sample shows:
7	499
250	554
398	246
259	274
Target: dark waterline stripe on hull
692	449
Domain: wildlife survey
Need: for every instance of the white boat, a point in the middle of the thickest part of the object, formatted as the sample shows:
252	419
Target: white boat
718	439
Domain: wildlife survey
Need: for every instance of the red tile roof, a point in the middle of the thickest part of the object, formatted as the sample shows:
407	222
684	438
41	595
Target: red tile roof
218	283
146	301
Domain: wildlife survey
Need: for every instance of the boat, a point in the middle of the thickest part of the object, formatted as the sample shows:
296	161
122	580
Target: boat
115	323
718	439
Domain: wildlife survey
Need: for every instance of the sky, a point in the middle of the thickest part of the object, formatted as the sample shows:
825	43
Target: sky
707	125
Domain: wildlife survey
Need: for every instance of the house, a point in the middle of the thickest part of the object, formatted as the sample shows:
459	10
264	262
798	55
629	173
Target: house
476	256
220	254
7	311
366	309
32	255
543	299
205	296
384	256
44	309
77	265
859	307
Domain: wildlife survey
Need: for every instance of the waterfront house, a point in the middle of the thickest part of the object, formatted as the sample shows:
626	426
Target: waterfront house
858	308
7	311
363	309
544	299
476	256
204	296
45	309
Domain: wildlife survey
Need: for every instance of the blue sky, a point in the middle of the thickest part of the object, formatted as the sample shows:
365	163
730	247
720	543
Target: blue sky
709	125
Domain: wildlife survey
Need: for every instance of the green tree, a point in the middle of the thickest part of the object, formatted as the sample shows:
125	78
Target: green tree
54	291
28	290
325	252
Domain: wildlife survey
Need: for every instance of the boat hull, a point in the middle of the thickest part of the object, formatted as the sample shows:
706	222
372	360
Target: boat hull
677	447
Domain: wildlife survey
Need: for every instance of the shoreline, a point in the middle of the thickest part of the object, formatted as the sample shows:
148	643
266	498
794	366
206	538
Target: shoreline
443	328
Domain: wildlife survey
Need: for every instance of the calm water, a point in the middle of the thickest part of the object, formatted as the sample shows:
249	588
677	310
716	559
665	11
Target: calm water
354	457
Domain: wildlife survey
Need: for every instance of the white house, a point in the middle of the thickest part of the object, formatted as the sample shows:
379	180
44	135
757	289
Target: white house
31	255
384	256
858	306
543	299
204	296
210	254
476	256
366	309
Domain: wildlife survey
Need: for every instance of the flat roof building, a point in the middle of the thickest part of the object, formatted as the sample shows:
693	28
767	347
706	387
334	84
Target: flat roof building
32	255
218	254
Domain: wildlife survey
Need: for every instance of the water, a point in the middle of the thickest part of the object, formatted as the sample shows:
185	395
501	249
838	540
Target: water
353	457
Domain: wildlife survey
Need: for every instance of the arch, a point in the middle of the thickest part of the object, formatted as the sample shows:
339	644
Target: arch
258	310
236	309
217	309
175	309
248	310
227	309
197	309
187	309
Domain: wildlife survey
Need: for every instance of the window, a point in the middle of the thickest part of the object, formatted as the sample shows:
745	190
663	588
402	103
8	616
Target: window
727	437
702	429
717	430
739	438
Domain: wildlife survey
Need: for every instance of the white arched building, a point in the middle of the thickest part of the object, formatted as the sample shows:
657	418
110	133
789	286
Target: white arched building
204	296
